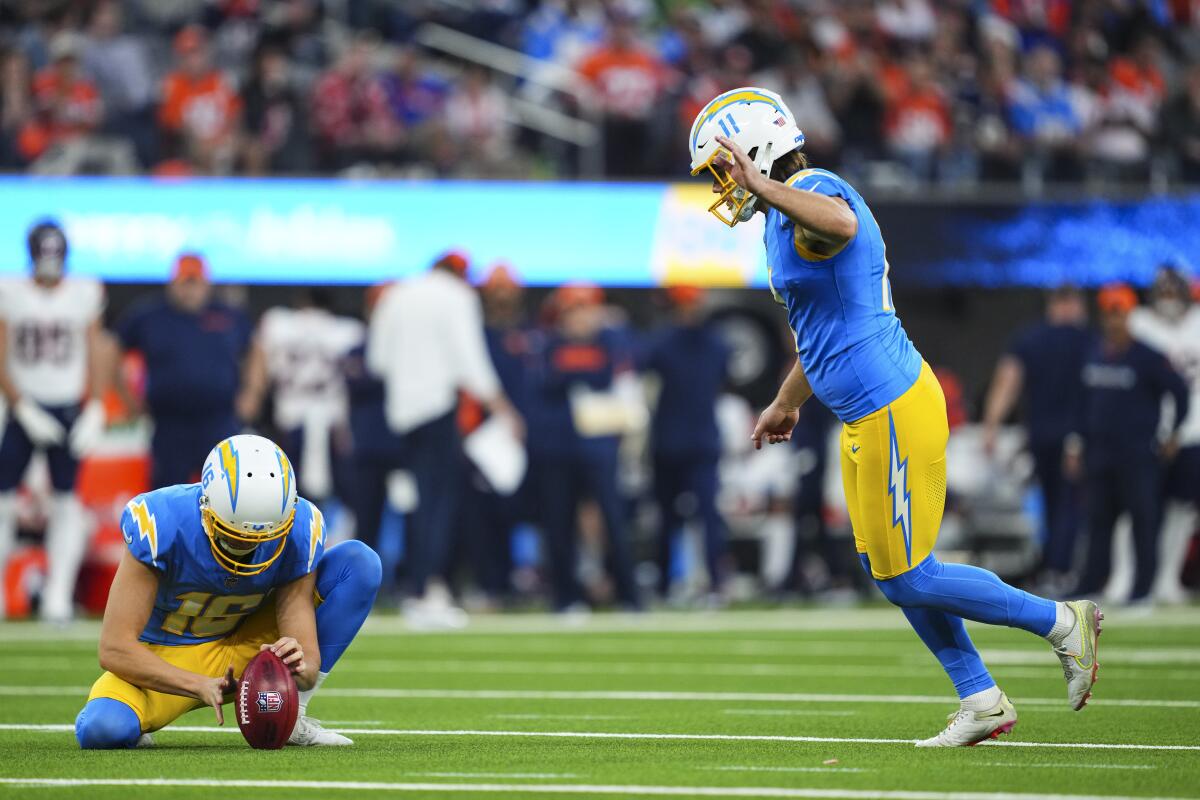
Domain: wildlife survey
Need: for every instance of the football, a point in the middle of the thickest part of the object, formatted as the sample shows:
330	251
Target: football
266	702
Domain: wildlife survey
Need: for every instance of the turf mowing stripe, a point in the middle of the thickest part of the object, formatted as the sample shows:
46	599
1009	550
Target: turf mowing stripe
747	669
775	621
787	769
787	712
722	697
1074	765
561	788
526	775
711	737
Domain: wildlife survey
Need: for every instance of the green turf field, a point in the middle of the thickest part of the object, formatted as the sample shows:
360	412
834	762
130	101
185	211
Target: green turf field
738	704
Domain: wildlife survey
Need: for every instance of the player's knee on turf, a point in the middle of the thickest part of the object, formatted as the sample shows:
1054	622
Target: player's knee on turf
107	724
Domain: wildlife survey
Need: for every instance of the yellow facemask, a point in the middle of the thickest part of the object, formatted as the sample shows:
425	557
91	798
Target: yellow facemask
732	199
213	527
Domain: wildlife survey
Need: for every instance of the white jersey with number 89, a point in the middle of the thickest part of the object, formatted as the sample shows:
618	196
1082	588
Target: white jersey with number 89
47	336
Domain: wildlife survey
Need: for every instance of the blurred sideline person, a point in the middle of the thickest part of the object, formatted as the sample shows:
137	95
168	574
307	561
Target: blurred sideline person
301	347
426	342
213	573
576	440
1117	446
376	450
52	353
489	517
196	350
692	363
1043	368
1171	325
813	546
828	269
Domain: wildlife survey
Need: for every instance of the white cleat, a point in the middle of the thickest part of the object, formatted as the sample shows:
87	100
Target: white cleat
144	741
1077	652
309	733
968	728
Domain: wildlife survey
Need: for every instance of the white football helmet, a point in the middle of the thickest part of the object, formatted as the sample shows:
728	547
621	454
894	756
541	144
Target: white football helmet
758	121
248	498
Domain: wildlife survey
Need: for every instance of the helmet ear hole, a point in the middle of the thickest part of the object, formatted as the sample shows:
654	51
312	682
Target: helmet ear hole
753	153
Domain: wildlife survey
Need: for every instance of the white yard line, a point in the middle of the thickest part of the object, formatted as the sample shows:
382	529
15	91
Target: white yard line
561	788
640	696
713	737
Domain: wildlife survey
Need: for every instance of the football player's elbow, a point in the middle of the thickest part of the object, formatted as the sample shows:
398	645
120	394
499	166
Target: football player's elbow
846	225
111	657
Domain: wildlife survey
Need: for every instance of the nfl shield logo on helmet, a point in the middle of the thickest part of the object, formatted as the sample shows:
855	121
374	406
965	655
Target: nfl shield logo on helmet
269	702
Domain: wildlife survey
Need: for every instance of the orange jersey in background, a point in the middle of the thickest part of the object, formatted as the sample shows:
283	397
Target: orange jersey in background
206	107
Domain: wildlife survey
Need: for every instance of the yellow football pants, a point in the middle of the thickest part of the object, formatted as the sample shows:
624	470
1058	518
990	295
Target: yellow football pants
894	475
156	709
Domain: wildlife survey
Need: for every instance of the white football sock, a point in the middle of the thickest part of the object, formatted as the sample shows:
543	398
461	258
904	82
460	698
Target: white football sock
66	542
307	694
982	701
1064	625
8	537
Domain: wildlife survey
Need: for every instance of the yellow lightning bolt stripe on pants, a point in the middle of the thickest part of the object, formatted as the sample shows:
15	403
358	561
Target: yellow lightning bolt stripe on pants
894	476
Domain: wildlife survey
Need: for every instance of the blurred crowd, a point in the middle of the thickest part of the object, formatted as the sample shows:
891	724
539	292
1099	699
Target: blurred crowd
893	92
502	447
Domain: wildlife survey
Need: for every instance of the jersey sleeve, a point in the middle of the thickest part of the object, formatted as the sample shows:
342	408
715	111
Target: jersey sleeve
147	534
306	542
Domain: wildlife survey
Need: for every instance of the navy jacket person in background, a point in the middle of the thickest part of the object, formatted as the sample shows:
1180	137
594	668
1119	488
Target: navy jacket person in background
692	362
195	348
1043	368
1117	442
581	355
487	518
377	450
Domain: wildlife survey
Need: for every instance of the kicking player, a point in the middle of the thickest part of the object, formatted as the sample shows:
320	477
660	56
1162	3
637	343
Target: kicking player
827	265
215	572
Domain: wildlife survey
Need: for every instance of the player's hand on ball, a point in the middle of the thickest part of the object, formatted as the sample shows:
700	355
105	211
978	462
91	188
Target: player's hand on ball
742	170
212	692
775	425
290	652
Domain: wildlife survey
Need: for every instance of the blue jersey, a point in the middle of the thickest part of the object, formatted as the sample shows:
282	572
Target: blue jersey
853	349
199	600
